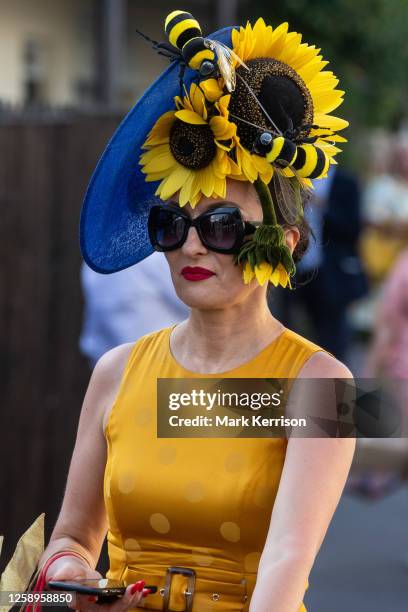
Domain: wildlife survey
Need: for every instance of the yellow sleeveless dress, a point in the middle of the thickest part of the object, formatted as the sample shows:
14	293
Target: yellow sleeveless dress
203	504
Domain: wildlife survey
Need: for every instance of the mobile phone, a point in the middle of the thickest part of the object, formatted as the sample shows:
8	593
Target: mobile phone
105	589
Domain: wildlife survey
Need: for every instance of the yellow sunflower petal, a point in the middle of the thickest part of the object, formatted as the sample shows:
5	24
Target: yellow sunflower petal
283	276
173	182
263	272
220	186
328	148
160	131
207	180
262	34
187	190
156	176
274	277
198	101
278	40
233	168
162	161
337	138
328	121
323	81
311	69
222	129
247	274
304	55
289	51
329	101
195	200
263	167
147	156
211	89
248	168
222	104
190	117
195	186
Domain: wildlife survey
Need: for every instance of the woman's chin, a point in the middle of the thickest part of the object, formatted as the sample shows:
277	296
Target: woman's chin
201	295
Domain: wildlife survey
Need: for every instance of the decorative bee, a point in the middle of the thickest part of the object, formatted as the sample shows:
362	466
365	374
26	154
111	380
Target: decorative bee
303	160
308	160
187	46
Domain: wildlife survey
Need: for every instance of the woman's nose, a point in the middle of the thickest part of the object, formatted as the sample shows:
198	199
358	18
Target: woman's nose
193	244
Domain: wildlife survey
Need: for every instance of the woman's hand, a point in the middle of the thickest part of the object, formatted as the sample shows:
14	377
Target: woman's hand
133	595
71	568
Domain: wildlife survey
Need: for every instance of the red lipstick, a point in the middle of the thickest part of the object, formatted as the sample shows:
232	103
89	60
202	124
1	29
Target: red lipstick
196	273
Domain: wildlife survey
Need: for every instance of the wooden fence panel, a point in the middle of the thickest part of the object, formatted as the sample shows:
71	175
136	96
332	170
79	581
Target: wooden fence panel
44	170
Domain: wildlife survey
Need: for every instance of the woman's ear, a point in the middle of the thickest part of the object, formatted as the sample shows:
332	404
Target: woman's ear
292	236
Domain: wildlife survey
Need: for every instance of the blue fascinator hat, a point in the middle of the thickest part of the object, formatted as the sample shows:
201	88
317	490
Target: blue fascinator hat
113	224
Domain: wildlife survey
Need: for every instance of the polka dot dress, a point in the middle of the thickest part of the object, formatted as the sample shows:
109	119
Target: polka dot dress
202	503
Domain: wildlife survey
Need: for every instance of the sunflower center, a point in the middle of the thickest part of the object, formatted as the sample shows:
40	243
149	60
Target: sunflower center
192	146
280	91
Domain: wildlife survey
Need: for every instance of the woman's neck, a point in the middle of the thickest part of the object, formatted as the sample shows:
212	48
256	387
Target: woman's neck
212	341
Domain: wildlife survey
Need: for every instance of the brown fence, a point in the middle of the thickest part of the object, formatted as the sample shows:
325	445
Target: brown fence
44	170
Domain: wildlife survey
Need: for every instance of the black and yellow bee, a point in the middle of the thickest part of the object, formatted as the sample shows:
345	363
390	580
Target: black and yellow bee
292	160
184	34
307	159
187	46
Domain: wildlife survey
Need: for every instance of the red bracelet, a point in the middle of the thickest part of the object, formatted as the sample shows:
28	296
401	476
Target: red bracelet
41	580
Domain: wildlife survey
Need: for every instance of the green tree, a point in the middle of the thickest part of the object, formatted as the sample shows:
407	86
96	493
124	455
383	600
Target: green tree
366	41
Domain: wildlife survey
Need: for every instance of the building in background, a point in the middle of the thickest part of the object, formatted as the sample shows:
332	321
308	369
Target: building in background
87	52
47	51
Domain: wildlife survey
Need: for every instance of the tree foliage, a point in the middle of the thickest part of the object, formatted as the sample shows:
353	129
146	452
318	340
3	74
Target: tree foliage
366	41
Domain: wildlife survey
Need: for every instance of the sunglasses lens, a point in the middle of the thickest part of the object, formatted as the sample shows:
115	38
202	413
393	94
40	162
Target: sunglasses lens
221	230
166	227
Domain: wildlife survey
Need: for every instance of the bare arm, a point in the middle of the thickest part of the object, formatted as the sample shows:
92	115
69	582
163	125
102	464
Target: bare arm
312	481
82	522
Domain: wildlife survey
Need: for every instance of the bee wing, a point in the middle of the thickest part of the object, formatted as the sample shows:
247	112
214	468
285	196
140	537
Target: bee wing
225	61
215	45
230	53
288	192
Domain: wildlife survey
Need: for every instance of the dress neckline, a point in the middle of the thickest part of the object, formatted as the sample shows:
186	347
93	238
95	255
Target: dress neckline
224	374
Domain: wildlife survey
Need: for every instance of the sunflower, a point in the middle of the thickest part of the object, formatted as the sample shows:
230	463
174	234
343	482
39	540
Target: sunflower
302	64
187	149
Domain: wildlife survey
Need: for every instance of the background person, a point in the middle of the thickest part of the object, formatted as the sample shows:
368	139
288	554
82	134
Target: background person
331	276
124	306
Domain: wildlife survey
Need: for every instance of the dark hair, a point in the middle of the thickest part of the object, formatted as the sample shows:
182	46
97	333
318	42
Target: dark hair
303	227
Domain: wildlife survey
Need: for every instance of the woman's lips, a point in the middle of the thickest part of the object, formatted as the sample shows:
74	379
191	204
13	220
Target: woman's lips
196	273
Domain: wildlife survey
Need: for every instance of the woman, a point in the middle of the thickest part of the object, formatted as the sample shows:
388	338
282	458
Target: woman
193	516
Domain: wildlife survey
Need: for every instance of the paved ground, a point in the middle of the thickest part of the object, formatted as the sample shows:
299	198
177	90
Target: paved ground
363	563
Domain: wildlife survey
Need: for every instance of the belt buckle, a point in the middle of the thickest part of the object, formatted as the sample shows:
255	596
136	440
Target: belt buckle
186	571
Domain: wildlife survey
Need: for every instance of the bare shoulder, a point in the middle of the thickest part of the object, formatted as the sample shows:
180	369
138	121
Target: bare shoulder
105	380
324	365
110	366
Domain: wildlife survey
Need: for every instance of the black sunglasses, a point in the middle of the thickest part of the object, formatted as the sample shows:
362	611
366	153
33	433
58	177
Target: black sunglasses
220	229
